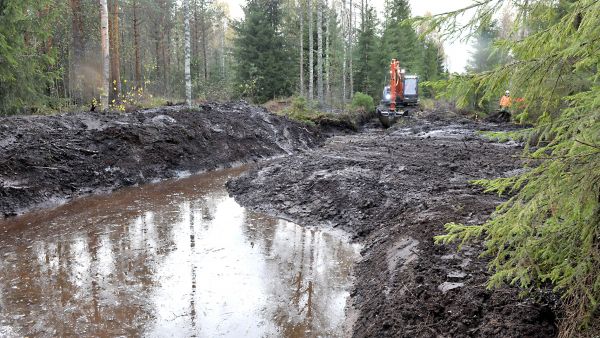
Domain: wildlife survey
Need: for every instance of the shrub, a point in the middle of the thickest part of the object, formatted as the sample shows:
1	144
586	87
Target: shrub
362	102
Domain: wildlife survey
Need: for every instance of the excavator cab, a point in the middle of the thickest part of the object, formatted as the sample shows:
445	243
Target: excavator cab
411	90
402	92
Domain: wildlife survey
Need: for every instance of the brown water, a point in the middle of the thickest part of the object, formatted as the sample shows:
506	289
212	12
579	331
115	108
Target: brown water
179	258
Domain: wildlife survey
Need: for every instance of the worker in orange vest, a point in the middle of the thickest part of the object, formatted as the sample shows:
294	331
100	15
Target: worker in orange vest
505	102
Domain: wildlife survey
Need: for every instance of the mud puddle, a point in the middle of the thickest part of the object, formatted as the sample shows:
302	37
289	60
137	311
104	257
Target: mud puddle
179	258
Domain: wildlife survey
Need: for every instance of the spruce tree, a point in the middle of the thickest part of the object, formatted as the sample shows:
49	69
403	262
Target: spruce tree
548	231
400	40
262	56
24	75
368	68
484	58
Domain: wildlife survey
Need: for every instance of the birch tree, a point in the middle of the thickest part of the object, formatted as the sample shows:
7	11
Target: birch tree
345	59
327	54
320	52
311	74
105	54
350	42
301	17
186	52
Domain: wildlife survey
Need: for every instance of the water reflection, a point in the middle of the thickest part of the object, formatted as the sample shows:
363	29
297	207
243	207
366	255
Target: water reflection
179	258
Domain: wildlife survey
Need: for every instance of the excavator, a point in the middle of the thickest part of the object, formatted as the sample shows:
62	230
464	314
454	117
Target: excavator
401	94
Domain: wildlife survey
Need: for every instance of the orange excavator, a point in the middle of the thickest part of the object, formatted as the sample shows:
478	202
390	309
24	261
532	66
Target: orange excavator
402	93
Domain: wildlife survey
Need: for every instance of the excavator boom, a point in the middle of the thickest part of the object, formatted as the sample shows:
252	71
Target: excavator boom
401	93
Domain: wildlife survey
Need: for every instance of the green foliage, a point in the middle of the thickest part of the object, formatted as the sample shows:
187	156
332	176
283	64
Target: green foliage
25	74
504	136
549	229
400	40
261	52
301	110
363	102
485	57
368	57
419	54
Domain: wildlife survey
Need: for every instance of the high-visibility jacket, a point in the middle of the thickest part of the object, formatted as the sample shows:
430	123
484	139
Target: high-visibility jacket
505	101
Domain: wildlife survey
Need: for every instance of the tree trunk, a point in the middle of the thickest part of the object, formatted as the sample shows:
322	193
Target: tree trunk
351	56
311	69
195	33
223	32
327	52
203	36
301	16
115	64
345	59
320	52
136	46
105	54
187	70
75	78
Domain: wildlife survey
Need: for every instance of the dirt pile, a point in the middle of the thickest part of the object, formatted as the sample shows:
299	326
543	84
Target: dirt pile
44	159
393	191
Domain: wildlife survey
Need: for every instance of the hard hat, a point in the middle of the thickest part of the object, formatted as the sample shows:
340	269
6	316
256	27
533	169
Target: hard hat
507	92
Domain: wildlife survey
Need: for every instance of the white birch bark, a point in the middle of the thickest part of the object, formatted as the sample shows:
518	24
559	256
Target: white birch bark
186	52
320	52
345	59
351	56
327	52
105	55
301	17
311	60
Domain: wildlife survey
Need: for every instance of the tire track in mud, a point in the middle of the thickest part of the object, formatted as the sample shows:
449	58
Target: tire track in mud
393	191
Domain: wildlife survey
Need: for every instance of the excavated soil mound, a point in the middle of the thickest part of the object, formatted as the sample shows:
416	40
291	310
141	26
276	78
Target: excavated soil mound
48	159
394	190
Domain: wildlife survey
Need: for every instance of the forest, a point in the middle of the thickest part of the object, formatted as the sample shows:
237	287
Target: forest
322	50
471	225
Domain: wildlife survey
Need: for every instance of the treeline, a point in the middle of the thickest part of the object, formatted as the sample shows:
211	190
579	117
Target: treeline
50	52
324	50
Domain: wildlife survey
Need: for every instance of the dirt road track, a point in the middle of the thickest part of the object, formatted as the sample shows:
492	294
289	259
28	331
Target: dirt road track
393	191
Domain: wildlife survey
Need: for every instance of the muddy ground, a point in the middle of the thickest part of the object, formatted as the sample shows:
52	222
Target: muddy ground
393	190
45	160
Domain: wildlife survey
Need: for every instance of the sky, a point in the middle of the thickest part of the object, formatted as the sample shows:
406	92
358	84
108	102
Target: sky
457	53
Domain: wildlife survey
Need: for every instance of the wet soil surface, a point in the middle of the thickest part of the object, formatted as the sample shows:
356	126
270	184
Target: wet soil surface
393	190
44	160
175	259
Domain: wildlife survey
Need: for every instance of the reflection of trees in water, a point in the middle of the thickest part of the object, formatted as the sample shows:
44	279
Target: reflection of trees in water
315	272
91	266
193	268
98	276
260	230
